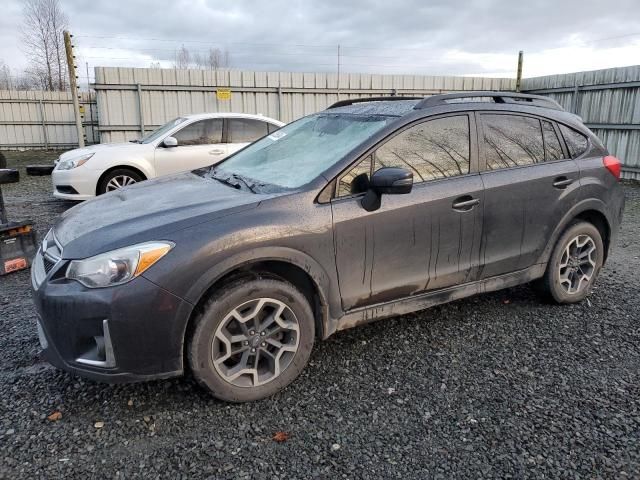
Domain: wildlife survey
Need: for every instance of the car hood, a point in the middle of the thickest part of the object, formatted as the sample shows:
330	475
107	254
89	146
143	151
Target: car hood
112	148
146	211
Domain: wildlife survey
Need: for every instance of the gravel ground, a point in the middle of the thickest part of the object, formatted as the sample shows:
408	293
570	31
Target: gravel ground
493	386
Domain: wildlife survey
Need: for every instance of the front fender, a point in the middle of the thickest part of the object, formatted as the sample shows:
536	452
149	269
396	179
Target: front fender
327	291
139	163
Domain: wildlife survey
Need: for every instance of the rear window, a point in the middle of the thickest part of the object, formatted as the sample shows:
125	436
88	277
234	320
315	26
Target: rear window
246	130
576	142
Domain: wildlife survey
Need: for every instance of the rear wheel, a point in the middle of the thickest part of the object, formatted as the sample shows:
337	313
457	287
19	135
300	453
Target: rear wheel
574	264
252	339
118	178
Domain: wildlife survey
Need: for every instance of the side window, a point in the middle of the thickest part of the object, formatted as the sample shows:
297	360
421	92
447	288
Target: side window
512	141
355	180
204	132
552	148
245	130
431	150
576	142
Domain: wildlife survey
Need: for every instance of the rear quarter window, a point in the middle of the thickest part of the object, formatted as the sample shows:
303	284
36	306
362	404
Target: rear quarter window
577	143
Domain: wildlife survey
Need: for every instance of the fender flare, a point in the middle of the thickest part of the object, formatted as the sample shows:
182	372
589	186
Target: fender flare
329	299
591	204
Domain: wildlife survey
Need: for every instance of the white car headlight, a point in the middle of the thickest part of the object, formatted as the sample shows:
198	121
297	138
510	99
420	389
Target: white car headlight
117	267
74	162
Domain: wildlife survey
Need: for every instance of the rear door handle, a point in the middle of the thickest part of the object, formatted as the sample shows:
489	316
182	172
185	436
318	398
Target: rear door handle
562	182
466	203
216	151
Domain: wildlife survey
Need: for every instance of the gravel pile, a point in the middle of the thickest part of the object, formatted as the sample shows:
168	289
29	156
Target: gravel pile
499	385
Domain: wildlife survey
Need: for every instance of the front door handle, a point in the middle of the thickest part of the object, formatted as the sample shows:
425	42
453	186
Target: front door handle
562	182
216	151
466	203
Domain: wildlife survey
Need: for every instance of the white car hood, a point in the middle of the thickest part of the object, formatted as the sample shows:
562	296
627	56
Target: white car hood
113	148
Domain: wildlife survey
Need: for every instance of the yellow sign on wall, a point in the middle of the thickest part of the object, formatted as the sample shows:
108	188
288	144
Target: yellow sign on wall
81	108
223	94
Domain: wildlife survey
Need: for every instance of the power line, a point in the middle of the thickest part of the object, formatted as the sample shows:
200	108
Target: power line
235	52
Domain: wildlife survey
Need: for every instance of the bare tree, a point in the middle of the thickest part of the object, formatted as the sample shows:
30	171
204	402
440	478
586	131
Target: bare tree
183	58
44	22
217	58
213	59
5	76
197	61
58	22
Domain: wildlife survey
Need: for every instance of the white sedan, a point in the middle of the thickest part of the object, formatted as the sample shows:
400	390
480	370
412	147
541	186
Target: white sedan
186	143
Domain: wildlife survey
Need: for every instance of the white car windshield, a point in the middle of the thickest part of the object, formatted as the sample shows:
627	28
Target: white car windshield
301	151
159	132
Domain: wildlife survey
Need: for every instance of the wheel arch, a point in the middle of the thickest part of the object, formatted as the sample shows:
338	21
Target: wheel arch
290	265
593	211
144	175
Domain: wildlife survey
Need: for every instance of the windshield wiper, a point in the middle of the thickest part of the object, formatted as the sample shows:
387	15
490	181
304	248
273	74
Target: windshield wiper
227	180
250	186
234	180
134	141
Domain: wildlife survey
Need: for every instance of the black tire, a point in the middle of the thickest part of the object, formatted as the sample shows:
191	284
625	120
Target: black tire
39	170
3	160
114	174
9	175
201	347
550	285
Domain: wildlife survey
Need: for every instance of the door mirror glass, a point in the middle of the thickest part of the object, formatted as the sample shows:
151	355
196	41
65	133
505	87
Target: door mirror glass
170	142
392	181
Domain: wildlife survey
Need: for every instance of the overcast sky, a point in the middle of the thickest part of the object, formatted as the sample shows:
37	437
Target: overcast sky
437	37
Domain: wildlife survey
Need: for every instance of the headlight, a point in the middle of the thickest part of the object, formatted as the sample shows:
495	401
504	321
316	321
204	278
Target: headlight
74	162
117	267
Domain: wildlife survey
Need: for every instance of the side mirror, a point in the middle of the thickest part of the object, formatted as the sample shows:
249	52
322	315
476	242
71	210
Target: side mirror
387	180
392	181
170	142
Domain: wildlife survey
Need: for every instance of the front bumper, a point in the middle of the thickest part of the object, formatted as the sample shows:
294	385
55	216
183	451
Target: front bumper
76	184
139	327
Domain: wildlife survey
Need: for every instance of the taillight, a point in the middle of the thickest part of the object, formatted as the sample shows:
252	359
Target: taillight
612	164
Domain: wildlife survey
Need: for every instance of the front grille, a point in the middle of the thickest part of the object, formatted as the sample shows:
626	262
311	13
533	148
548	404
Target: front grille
48	264
48	257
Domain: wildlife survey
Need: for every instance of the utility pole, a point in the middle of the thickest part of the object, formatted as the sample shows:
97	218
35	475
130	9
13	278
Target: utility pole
519	71
93	132
73	85
338	72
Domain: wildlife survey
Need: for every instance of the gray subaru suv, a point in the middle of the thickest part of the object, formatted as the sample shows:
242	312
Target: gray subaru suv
372	208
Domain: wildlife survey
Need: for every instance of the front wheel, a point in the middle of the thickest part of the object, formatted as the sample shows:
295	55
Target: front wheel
574	264
118	178
252	338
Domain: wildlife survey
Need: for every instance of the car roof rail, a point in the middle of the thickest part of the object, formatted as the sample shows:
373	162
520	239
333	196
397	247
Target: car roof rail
351	101
498	97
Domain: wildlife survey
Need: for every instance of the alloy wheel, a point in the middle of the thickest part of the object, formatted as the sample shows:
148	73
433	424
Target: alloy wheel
255	342
577	264
119	181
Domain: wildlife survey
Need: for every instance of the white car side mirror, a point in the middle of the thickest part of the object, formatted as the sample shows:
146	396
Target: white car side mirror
170	142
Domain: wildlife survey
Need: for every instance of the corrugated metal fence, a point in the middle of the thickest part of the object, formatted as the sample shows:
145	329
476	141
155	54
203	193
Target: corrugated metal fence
129	102
609	103
42	120
136	100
